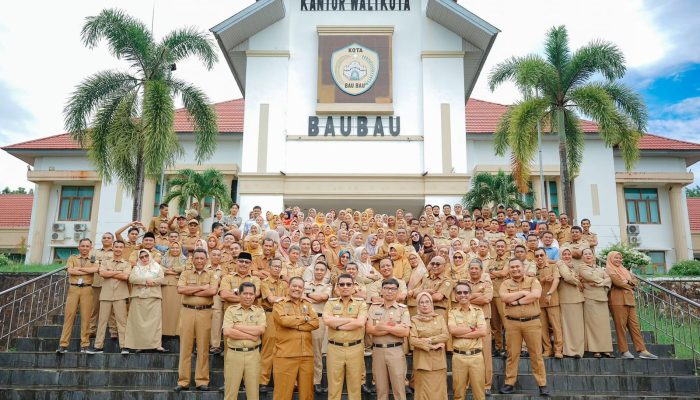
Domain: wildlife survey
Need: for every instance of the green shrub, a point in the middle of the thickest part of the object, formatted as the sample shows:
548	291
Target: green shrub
686	268
4	260
631	258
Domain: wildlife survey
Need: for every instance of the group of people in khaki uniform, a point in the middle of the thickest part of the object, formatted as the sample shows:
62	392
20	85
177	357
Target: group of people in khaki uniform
275	293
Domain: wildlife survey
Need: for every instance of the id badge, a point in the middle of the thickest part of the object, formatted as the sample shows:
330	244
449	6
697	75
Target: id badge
80	281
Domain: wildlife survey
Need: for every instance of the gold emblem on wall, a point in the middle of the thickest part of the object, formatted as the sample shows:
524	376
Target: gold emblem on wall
354	68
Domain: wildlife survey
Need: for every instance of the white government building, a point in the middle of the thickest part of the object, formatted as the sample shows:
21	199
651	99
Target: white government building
359	103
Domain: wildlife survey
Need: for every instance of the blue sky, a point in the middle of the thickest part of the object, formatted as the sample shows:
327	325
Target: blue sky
43	59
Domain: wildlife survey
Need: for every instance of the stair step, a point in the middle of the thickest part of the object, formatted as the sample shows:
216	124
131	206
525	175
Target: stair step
153	361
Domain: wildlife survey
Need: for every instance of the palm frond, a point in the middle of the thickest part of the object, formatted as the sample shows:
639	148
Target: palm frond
202	114
502	134
183	43
629	103
574	143
556	48
599	56
595	102
161	146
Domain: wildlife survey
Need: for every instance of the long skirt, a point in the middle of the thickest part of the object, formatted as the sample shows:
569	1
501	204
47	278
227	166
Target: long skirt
144	325
596	320
572	327
171	304
430	385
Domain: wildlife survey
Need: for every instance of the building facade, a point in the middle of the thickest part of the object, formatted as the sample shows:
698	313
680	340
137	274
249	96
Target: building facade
364	104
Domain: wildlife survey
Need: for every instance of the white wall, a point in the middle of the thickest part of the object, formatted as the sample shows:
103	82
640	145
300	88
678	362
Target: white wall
653	164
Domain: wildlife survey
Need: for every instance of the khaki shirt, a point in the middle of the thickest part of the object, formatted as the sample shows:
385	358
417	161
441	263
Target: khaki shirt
218	272
564	234
352	308
275	287
189	239
129	248
191	277
482	288
101	256
155	256
290	270
436	330
473	318
76	261
528	283
237	315
545	272
233	280
498	265
441	284
322	288
162	240
591	276
155	223
261	263
294	321
590	237
374	289
394	314
113	288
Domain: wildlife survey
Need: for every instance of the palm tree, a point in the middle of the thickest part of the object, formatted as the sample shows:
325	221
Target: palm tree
489	189
557	90
125	119
190	184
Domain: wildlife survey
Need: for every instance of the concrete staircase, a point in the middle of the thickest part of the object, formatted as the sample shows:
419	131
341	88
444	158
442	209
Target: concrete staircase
33	371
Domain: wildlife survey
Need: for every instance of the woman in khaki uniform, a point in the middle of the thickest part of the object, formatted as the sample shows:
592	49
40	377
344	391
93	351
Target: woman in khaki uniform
428	338
596	317
173	265
571	304
144	325
402	268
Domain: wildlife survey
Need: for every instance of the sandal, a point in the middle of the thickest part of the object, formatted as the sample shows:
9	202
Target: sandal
608	355
597	355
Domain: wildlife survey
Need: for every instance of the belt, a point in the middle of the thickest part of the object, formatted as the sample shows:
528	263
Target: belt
197	307
467	352
319	315
268	310
244	349
524	319
345	344
440	307
80	284
388	345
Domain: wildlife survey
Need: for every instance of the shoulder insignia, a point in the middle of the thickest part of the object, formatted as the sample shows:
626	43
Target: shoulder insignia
401	305
376	304
333	299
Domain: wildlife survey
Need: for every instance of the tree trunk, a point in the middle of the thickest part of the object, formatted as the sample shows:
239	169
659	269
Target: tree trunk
138	191
566	203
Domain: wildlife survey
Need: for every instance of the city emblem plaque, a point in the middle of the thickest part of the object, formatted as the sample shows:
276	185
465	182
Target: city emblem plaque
354	68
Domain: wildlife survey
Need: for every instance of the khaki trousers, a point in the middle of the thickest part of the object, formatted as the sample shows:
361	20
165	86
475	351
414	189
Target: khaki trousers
217	321
111	310
290	370
242	365
625	318
195	325
389	367
319	341
488	359
531	332
550	317
77	297
268	350
468	371
345	363
498	313
96	311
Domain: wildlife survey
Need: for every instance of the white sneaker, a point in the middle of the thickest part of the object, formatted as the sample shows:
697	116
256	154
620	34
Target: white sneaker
648	356
125	351
627	356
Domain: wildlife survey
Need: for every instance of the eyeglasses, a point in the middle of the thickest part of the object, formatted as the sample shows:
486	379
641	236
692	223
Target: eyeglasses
435	263
390	289
244	261
144	256
539	255
459	257
462	293
345	284
345	256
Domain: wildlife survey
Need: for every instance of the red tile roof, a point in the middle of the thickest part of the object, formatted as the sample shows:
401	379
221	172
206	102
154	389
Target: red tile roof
694	213
481	118
17	210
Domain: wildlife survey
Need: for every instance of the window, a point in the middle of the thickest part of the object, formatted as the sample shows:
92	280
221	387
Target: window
658	263
642	206
61	254
76	203
552	194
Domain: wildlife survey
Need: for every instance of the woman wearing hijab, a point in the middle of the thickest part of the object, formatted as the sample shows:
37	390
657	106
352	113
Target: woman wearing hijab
473	248
285	243
402	268
418	271
429	250
623	307
428	338
383	250
371	245
596	317
332	252
416	241
213	242
571	303
344	257
460	267
144	325
173	265
356	241
364	265
316	247
308	274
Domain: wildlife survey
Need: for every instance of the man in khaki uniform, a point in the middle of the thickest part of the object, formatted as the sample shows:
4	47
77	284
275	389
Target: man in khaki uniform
115	291
374	289
481	295
80	268
162	217
197	287
550	316
274	289
553	224
317	291
190	237
345	318
521	295
389	324
162	236
262	264
243	325
147	243
293	361
577	244
467	326
587	235
228	288
217	313
99	256
498	272
564	233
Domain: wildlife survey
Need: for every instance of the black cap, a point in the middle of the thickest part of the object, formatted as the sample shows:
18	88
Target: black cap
244	255
149	235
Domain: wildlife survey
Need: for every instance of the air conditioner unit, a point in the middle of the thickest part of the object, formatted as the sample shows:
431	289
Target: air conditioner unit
80	227
633	230
59	227
634	240
78	235
58	235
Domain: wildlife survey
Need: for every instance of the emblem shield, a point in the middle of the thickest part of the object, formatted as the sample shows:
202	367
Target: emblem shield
354	68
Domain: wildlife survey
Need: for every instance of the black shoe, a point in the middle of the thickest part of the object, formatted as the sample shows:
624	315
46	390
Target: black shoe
222	389
95	351
544	392
487	392
179	388
203	388
215	350
367	389
264	388
409	390
524	354
507	389
62	350
318	389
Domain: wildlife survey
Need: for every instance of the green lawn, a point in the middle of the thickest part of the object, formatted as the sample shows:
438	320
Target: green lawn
685	331
20	268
